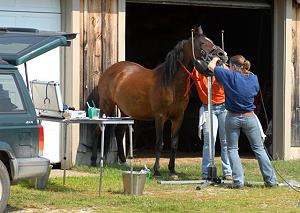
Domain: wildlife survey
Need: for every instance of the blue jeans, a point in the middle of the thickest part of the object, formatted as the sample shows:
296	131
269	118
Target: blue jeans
219	114
249	125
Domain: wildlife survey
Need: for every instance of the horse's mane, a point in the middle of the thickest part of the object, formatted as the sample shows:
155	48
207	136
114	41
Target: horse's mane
170	67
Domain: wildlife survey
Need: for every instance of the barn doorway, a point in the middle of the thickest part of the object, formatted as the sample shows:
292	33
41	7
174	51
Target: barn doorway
152	30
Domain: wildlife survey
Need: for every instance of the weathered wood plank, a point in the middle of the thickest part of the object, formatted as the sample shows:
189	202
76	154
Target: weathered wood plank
99	42
99	50
296	78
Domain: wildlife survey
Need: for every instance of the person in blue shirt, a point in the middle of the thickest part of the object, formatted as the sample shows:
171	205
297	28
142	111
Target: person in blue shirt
241	86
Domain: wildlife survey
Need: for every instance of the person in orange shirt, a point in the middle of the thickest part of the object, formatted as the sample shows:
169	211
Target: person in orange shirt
218	113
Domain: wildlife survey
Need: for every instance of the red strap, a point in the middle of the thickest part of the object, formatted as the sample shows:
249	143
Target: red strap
184	68
188	86
191	74
188	80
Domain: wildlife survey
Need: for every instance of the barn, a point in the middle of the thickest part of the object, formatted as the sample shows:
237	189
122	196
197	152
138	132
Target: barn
143	31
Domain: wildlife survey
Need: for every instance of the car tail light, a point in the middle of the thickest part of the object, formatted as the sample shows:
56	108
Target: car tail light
41	140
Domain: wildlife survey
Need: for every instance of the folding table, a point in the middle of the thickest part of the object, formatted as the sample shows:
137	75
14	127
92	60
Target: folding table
102	122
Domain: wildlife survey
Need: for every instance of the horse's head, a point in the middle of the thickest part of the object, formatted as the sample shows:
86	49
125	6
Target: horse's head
199	49
204	50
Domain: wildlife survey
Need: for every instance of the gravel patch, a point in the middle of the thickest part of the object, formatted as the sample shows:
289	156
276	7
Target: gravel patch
60	173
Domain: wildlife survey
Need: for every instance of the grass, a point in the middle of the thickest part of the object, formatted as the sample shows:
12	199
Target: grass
80	194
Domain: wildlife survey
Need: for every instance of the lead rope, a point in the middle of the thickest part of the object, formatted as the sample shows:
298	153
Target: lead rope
188	80
193	51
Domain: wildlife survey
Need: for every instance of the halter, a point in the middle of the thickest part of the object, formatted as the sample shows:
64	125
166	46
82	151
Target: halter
205	56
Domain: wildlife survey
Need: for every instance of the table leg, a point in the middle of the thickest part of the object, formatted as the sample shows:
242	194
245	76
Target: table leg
102	127
65	151
131	157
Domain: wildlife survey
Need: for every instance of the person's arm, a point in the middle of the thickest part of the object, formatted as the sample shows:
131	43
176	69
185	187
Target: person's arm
213	63
220	72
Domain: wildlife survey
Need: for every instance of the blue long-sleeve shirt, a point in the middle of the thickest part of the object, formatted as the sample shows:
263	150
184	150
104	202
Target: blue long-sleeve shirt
240	89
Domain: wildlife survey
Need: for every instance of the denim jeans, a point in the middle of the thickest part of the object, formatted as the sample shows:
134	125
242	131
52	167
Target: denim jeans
219	114
249	125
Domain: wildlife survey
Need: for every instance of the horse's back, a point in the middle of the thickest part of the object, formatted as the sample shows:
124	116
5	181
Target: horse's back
118	69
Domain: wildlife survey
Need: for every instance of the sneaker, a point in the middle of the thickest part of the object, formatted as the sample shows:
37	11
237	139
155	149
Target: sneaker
227	177
268	185
234	186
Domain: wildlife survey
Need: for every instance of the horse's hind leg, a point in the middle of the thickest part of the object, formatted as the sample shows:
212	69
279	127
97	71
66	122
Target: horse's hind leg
159	124
120	131
97	132
106	107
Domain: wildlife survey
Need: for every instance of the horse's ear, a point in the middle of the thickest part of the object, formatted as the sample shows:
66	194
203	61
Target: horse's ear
200	31
197	31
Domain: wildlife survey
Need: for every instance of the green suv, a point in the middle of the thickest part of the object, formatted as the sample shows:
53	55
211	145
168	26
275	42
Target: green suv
21	135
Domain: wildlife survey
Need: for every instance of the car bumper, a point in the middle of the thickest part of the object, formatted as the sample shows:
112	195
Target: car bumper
29	167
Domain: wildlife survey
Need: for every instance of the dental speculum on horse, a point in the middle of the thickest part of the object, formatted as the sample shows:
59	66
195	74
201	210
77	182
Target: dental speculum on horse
157	94
202	63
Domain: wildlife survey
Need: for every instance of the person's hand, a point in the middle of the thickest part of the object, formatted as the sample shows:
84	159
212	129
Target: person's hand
212	64
225	66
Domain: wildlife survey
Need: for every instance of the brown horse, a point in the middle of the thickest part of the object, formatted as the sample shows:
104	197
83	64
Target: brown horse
159	94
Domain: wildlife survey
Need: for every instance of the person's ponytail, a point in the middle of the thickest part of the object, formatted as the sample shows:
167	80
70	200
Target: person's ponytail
242	65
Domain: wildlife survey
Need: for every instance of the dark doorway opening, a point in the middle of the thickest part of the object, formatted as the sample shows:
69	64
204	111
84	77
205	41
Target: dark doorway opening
152	30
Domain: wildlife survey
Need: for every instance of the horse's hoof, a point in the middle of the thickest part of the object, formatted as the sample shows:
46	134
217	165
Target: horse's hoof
93	164
157	177
125	164
174	176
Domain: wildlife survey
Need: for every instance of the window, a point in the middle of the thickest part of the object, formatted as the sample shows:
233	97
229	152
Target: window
10	99
18	47
15	44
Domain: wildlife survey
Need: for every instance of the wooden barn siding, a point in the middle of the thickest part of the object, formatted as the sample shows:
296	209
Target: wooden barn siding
295	128
99	20
99	50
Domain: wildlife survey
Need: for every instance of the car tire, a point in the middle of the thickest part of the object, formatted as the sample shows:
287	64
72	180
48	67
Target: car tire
4	187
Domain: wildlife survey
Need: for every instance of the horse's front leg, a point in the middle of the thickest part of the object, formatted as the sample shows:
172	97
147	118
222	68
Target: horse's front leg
171	166
159	124
176	123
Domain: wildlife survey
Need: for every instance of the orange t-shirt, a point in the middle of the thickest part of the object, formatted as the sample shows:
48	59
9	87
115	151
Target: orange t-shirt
201	83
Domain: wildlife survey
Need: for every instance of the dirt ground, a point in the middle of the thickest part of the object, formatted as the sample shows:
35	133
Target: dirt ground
181	158
149	159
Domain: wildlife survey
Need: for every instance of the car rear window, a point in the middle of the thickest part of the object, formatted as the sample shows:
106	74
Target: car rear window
16	43
10	99
18	48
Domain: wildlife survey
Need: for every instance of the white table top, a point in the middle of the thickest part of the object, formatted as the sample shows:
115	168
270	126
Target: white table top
107	120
